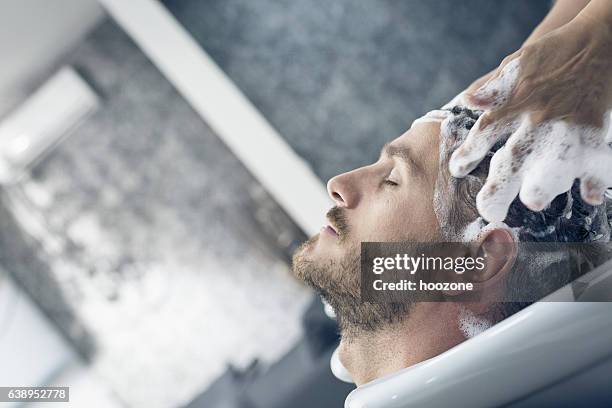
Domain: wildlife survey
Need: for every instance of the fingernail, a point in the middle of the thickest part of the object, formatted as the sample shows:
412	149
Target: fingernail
490	210
456	167
536	205
595	199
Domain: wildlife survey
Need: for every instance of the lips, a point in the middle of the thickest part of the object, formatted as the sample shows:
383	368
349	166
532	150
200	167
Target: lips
330	230
336	223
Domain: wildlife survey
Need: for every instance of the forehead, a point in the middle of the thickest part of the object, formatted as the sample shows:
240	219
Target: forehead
422	139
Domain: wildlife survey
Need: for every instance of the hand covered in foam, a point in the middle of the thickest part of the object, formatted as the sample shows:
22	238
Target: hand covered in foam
550	102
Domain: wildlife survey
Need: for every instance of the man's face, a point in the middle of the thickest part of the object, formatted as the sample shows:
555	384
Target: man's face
390	200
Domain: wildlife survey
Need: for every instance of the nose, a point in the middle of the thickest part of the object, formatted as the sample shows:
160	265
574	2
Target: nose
343	190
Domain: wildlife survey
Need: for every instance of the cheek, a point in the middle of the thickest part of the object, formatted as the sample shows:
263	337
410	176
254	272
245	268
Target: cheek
386	220
391	220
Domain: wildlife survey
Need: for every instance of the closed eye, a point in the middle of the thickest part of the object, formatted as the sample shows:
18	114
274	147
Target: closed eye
392	179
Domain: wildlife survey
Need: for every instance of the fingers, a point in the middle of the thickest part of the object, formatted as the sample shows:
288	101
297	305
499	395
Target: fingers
484	134
481	81
592	190
497	90
490	127
596	170
505	176
552	166
544	182
542	162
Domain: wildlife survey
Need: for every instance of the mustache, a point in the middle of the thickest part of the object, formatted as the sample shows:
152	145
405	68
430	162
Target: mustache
338	217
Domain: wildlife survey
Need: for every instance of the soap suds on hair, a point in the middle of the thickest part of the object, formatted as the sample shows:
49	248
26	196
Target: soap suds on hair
472	325
472	230
538	162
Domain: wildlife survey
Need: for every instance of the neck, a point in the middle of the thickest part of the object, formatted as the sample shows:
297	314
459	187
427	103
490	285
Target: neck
430	330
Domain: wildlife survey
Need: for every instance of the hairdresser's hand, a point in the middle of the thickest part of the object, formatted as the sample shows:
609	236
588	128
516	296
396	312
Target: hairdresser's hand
551	101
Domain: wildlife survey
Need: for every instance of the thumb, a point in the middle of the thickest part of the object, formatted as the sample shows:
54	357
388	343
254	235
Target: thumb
492	92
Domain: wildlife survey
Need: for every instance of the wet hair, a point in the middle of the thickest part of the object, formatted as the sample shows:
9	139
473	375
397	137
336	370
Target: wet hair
568	219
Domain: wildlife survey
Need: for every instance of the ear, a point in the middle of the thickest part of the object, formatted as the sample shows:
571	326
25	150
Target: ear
498	247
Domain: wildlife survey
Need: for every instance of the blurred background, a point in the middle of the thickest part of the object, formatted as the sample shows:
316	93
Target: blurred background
161	161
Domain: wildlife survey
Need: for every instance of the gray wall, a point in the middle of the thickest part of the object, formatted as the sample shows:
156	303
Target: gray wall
34	36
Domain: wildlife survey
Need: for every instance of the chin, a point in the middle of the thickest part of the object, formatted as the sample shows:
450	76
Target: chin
305	252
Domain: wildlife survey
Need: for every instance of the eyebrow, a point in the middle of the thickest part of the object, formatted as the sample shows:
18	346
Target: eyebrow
402	153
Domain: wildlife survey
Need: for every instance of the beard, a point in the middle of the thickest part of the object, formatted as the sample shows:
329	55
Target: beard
338	281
